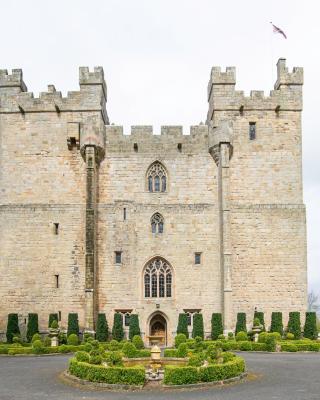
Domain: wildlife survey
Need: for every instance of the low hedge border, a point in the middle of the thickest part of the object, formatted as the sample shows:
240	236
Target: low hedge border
83	382
131	376
21	351
215	372
206	384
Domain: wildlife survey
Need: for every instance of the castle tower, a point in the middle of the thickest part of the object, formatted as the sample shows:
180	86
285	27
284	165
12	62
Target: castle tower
262	226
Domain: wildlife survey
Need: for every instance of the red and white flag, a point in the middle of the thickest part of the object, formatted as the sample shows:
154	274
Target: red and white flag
278	30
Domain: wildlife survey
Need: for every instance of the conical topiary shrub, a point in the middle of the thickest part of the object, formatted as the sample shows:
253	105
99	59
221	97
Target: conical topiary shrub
117	329
73	324
310	327
12	327
241	325
216	326
198	329
276	323
294	325
33	326
183	324
102	330
134	328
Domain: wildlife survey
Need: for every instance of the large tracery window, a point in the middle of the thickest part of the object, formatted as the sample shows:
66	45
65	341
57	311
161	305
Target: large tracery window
157	223
157	178
158	279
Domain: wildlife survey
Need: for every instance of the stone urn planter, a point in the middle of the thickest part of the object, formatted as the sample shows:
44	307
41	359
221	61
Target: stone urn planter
54	335
256	329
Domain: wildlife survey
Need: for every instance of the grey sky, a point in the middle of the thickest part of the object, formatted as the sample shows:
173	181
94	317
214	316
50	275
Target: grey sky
157	56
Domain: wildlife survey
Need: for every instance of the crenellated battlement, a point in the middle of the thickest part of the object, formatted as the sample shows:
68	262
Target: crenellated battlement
12	83
286	96
142	138
221	78
286	78
91	96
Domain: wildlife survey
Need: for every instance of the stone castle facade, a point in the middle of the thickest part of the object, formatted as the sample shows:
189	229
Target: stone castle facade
93	220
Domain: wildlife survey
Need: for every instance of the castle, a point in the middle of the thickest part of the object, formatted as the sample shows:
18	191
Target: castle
93	220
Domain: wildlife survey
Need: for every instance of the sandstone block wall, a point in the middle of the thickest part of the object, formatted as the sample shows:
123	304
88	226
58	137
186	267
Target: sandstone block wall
248	220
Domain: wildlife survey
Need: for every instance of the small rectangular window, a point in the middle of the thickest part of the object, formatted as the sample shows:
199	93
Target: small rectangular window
124	214
56	228
118	257
189	317
252	130
59	315
57	281
197	258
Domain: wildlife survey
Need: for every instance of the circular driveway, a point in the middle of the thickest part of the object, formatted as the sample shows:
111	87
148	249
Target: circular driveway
278	376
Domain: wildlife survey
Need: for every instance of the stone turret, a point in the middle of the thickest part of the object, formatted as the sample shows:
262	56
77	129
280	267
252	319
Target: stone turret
225	101
11	84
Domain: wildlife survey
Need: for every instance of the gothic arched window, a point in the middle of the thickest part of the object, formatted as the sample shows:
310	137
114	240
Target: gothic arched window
161	279
157	223
157	178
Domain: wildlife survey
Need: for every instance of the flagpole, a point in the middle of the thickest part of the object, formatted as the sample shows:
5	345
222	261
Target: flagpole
271	50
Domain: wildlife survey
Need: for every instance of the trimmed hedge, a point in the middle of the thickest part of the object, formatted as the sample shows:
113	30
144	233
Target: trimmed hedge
198	330
73	324
276	323
241	325
110	375
180	338
134	327
300	345
183	324
216	326
294	325
310	330
138	342
289	347
40	350
117	329
33	326
12	327
102	331
73	340
174	375
171	353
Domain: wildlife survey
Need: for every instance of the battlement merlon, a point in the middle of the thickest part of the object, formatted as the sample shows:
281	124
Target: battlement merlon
227	79
89	81
12	84
222	96
286	78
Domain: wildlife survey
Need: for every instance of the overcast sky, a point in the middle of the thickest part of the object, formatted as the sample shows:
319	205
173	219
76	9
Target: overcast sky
157	56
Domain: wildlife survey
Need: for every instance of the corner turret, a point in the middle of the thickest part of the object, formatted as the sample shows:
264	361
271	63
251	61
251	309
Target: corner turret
12	84
286	78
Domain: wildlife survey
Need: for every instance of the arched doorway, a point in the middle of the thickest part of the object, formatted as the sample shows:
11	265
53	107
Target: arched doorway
158	329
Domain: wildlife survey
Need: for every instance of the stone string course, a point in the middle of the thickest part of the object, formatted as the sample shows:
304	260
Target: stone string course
237	201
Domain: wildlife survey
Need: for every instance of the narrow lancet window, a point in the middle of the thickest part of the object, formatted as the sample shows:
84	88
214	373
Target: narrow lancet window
157	223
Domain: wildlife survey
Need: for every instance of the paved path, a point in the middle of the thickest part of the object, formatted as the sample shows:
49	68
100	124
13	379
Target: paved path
280	376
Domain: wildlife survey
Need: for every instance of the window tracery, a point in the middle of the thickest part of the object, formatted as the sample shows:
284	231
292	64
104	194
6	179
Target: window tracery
157	178
158	279
157	223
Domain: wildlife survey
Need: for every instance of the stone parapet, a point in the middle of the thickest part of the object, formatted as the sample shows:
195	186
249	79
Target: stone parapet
286	96
91	97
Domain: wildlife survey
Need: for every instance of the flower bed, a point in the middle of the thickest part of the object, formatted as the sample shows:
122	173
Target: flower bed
111	375
215	372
